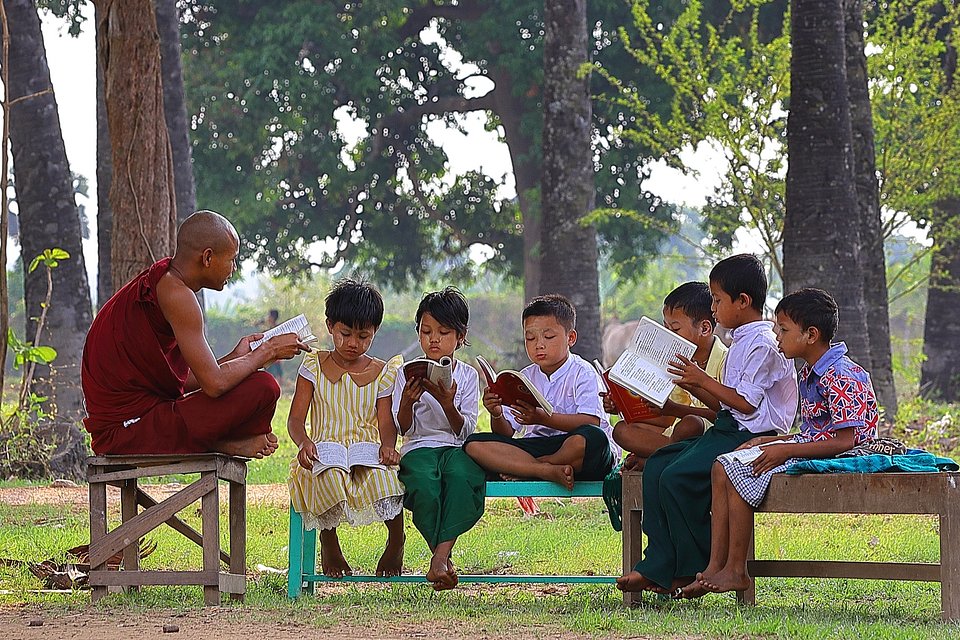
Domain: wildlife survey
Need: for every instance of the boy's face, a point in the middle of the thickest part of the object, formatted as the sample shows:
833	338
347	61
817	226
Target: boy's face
726	310
437	340
547	342
686	327
794	341
350	343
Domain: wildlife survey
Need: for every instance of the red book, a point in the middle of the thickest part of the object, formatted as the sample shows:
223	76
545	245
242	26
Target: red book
513	387
631	406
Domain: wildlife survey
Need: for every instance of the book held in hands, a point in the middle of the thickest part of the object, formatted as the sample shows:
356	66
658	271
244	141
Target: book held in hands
642	368
631	406
439	372
513	387
335	455
297	325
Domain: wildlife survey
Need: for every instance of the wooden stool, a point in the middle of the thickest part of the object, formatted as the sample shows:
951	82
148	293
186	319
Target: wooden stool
123	472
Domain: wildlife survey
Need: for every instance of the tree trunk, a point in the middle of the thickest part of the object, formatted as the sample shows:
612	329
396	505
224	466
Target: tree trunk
48	218
821	239
940	373
142	191
872	259
569	256
104	178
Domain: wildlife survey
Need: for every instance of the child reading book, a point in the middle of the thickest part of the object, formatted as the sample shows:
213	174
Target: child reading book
686	312
575	440
347	394
838	409
445	487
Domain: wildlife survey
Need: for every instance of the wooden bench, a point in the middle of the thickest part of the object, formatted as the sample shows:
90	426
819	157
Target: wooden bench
302	574
872	493
124	472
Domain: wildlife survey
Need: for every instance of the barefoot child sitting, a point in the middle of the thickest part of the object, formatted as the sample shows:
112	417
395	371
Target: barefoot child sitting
686	312
756	395
347	394
576	440
838	410
445	487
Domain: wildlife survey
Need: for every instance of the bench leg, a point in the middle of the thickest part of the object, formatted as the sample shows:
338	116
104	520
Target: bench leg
631	517
209	509
128	511
295	555
749	595
238	533
950	556
98	525
310	558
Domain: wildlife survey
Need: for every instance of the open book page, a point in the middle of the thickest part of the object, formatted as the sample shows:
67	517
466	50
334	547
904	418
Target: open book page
512	387
440	372
364	454
642	368
747	456
297	325
330	455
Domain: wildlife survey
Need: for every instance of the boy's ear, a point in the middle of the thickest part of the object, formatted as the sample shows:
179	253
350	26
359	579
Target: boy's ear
814	334
745	300
329	326
706	327
571	337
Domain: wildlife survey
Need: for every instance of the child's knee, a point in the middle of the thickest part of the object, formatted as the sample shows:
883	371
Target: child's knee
621	433
717	473
687	427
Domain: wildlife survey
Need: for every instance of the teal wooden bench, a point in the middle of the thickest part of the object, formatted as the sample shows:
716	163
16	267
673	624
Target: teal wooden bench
302	574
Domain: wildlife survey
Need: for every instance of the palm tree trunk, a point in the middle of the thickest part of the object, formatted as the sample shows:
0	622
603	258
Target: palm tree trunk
48	218
569	257
821	245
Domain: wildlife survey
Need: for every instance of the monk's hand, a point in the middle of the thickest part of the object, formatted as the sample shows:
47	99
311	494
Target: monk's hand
389	456
307	454
243	347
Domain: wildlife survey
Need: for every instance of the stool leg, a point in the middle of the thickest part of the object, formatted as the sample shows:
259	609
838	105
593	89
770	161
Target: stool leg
128	511
238	533
98	524
310	557
295	555
209	509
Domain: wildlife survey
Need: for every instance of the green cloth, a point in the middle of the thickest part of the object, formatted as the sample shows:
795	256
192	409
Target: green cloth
446	490
676	501
613	496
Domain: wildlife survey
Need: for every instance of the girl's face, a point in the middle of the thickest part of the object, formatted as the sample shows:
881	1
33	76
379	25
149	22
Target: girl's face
437	340
349	343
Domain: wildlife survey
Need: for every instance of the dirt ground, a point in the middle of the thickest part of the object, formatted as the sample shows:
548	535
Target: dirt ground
75	496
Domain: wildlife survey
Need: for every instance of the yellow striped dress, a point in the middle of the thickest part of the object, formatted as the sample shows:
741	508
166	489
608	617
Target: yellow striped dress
343	409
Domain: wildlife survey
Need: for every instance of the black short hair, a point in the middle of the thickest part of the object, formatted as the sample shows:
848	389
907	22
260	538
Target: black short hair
812	308
448	307
694	300
355	303
274	314
552	305
742	273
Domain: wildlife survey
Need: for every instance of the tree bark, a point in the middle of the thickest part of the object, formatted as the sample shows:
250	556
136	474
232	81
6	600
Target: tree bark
940	372
104	178
48	218
142	191
872	259
569	256
821	245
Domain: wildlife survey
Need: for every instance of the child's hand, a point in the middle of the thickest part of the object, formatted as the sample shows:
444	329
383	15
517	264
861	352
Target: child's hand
492	403
307	454
771	458
443	395
608	404
412	391
687	371
389	456
529	414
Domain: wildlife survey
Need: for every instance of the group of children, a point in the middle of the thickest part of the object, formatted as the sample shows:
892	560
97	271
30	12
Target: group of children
698	497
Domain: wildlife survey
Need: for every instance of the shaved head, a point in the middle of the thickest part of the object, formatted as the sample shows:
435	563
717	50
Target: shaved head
206	230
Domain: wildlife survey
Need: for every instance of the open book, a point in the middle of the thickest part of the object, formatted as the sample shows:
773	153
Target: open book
438	372
512	387
297	325
632	407
642	368
335	455
747	456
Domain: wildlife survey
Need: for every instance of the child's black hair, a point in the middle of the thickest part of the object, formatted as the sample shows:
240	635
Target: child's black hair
741	273
812	308
553	305
354	303
448	307
694	300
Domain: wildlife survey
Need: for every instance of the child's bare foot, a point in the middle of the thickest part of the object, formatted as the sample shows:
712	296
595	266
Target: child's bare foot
334	565
259	446
561	474
508	477
634	581
391	562
630	462
726	580
442	574
694	589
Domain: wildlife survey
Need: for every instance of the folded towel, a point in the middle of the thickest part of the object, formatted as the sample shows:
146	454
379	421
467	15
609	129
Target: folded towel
913	461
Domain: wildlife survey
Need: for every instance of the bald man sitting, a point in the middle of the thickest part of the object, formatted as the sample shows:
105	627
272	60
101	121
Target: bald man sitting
150	381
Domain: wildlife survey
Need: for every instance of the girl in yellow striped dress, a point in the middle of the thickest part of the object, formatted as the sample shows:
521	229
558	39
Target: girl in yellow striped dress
347	394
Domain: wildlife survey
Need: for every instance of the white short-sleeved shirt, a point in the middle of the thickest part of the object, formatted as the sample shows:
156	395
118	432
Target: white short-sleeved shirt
430	427
573	388
763	376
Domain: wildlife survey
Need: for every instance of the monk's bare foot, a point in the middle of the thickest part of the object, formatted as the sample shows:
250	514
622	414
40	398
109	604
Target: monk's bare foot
259	446
634	582
561	474
391	562
726	580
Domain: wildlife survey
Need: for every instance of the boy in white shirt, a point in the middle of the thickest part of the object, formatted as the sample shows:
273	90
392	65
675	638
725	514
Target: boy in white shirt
576	440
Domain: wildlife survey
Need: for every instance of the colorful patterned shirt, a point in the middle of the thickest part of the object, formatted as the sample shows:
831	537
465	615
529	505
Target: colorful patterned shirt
836	393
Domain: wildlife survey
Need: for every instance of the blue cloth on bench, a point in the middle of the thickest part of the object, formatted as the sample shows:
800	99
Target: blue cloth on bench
915	460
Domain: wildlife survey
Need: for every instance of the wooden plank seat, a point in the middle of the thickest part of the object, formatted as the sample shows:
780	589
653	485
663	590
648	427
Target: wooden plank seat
302	574
848	493
124	472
